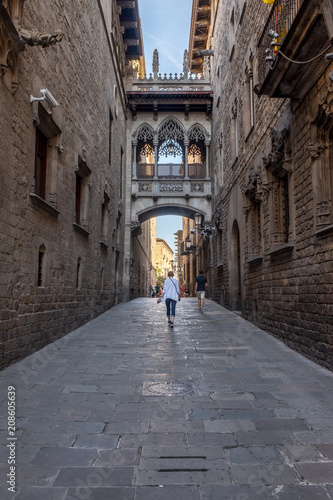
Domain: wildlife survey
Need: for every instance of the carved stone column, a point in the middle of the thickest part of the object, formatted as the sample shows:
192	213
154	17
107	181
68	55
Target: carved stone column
134	176
186	143
207	159
155	142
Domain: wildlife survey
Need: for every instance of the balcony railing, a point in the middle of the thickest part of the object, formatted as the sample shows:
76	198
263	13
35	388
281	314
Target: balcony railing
171	171
145	170
280	20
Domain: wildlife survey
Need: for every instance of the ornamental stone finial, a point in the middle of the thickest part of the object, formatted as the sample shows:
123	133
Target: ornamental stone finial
156	65
186	65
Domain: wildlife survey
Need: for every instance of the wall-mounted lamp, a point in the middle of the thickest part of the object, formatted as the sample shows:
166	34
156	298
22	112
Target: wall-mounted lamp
198	219
203	228
188	243
47	96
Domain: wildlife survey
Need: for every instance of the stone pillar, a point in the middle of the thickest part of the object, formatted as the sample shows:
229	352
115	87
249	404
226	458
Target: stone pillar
134	161
155	159
207	159
186	143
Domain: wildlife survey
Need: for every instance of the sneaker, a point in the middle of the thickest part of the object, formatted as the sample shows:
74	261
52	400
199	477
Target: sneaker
171	325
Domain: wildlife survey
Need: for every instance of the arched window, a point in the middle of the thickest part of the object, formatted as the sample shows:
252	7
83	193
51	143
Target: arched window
41	266
171	150
197	153
145	152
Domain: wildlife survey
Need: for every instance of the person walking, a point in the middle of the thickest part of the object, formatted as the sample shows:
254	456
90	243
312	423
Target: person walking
200	288
171	295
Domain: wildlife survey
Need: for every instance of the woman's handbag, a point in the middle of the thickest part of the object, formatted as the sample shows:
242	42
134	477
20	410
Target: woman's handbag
176	290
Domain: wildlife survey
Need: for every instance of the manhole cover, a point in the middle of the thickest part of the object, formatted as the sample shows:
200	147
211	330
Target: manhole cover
175	388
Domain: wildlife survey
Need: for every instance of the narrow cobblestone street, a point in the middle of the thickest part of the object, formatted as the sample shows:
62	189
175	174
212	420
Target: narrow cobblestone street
125	408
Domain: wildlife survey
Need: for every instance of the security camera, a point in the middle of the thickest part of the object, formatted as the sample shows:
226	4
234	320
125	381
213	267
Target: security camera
272	34
49	98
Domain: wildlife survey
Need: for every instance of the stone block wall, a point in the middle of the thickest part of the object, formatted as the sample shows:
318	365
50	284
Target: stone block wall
284	288
82	74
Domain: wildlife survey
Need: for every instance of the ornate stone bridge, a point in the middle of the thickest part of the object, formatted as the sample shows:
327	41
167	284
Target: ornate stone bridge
170	141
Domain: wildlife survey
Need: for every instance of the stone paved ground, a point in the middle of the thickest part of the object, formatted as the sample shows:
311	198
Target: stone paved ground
254	422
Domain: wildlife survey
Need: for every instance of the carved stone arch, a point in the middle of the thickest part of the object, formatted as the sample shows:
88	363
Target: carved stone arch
171	128
145	132
197	132
198	140
171	136
144	150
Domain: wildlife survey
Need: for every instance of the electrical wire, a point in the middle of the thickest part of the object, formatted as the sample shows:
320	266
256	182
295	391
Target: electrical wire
304	62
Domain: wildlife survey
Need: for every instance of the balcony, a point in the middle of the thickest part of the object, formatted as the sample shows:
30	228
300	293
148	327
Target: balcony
302	36
174	171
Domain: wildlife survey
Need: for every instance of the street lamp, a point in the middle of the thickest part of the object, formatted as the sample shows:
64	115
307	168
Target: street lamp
198	219
188	243
203	228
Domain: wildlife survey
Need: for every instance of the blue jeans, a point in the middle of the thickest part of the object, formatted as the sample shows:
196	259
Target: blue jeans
171	304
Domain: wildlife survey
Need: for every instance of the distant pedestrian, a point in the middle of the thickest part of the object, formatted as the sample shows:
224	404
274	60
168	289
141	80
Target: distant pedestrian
151	291
171	295
200	288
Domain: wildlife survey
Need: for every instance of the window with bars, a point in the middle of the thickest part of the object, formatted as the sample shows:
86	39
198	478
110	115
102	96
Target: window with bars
48	151
105	218
41	266
78	275
40	164
82	178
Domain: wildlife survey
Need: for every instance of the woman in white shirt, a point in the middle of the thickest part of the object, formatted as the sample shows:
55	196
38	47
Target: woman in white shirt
170	295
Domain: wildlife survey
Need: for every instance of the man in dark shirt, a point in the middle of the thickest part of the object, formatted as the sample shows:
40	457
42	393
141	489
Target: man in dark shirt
200	287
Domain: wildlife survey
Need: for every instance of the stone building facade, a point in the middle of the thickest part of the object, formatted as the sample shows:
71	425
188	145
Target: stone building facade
63	68
272	158
164	257
143	264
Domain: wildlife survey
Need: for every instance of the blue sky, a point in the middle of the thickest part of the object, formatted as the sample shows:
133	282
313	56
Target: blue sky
166	27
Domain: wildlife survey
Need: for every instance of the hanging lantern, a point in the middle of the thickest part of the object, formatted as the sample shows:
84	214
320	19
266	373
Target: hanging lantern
269	1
